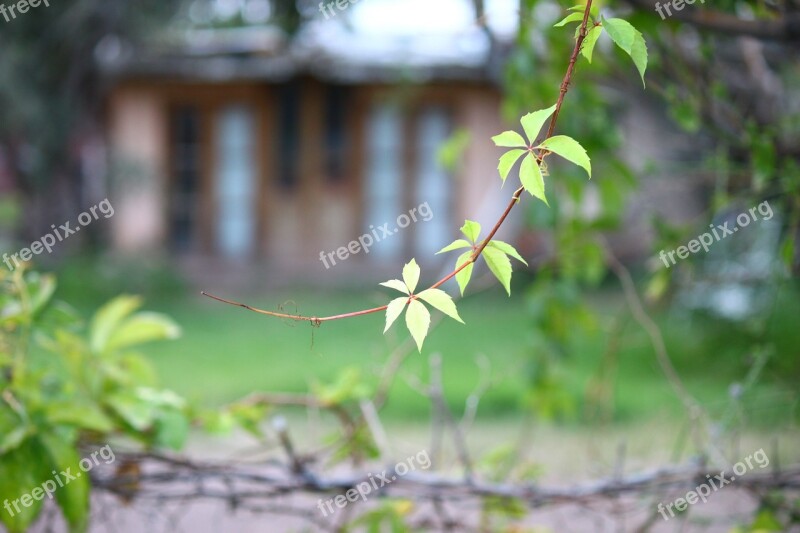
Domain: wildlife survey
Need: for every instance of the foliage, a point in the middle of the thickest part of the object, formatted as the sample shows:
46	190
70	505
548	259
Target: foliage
66	384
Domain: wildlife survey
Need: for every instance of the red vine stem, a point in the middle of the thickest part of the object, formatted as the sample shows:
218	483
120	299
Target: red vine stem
515	198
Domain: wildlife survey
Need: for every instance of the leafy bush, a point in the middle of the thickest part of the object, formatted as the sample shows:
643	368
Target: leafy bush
66	384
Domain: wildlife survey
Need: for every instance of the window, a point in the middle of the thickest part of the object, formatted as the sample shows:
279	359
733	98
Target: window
432	181
185	182
235	182
288	134
403	173
336	111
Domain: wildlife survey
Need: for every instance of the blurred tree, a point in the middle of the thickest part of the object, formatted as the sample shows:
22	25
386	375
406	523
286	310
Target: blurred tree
51	89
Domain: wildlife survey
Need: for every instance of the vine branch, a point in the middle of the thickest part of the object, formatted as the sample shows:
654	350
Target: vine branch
515	199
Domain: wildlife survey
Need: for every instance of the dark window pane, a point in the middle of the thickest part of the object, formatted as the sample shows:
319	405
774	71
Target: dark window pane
185	177
289	134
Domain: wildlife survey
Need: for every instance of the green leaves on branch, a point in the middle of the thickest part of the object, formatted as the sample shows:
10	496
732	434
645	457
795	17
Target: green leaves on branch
621	32
530	172
587	48
418	318
572	17
495	253
471	231
594	12
630	40
569	149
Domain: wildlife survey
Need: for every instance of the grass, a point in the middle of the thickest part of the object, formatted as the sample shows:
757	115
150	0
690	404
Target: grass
226	353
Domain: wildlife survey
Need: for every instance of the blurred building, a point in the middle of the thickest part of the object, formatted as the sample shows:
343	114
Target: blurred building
242	143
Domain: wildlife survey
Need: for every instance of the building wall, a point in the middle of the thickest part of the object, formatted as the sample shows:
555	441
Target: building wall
315	213
137	136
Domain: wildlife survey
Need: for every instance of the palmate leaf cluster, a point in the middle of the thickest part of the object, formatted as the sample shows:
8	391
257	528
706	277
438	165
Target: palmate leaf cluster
531	151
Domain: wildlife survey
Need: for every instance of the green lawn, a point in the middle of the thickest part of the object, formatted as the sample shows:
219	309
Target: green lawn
226	353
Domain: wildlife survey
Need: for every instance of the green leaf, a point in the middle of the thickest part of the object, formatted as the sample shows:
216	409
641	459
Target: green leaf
418	320
451	152
394	310
508	250
42	288
396	284
582	7
572	17
142	328
106	320
250	417
455	245
569	149
630	40
621	32
22	469
411	275
532	122
17	436
510	139
639	55
531	177
79	415
507	161
172	429
587	48
500	266
465	274
73	497
471	230
139	414
441	301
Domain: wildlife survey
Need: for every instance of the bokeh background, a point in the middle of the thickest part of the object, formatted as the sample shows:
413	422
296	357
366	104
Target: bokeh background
239	141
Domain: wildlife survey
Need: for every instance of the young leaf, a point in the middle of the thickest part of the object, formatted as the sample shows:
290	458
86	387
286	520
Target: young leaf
73	498
630	40
639	54
471	230
396	284
394	310
531	177
500	266
510	139
532	122
441	301
593	11
142	328
465	274
621	32
411	275
455	245
418	320
587	48
572	17
508	250
507	161
569	149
